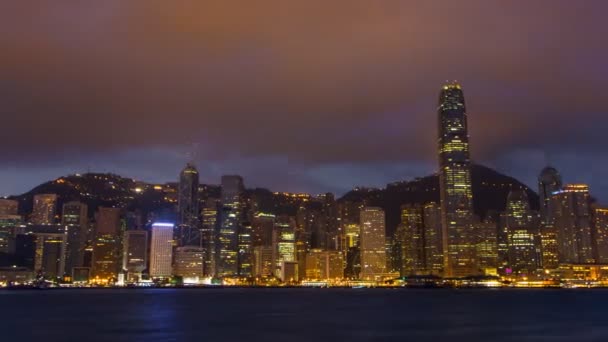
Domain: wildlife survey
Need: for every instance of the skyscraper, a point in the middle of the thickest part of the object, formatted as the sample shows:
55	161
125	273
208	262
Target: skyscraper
410	237
209	230
161	250
74	220
571	212
455	184
189	264
50	254
45	206
600	226
231	218
373	243
284	240
522	234
549	182
433	245
107	245
188	230
135	253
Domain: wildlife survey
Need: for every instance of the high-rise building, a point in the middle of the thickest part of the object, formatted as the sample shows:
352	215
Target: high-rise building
523	234
245	256
209	227
487	247
433	245
264	264
135	253
284	240
74	220
262	229
455	184
161	250
324	265
600	225
188	227
549	182
107	245
571	212
231	218
45	206
373	243
410	238
50	254
189	264
8	207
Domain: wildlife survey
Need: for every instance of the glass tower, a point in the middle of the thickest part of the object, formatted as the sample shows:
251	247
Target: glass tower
455	184
188	230
231	219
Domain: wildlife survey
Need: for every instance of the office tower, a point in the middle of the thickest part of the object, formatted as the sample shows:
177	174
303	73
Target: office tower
288	272
10	226
549	181
45	206
107	245
571	213
410	237
135	253
245	248
324	265
231	218
455	184
284	240
188	230
487	247
373	243
161	250
189	264
209	225
50	254
74	220
351	234
433	245
522	234
330	227
264	264
8	207
262	229
600	225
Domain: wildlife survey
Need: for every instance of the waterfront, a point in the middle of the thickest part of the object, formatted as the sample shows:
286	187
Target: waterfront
303	315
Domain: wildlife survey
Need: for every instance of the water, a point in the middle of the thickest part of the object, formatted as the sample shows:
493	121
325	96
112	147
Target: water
304	315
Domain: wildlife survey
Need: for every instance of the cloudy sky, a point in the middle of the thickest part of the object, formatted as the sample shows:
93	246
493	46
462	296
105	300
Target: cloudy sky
308	95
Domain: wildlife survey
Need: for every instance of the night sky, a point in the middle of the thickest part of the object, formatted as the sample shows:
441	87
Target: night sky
311	95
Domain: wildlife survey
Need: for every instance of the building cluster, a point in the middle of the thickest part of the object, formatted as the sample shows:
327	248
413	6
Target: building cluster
230	237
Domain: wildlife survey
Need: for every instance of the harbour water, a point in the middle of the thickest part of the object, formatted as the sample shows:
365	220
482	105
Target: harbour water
303	315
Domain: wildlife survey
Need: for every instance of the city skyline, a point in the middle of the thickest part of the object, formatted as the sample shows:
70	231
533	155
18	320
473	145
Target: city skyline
286	105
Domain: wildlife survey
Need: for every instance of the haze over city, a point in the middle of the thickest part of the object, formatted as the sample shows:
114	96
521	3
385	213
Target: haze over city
313	96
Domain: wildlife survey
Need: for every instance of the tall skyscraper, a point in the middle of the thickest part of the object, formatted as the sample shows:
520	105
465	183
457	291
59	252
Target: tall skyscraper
135	253
231	218
161	250
209	231
522	234
188	227
373	243
8	207
410	237
107	245
549	182
74	220
284	240
600	223
571	213
50	254
455	184
45	206
189	264
245	256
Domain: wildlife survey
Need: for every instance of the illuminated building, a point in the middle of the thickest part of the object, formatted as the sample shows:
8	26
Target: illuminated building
231	217
288	272
74	220
549	181
455	184
351	232
264	264
600	225
284	240
245	256
161	250
433	245
324	265
45	206
188	230
486	247
571	213
10	226
135	253
107	245
262	229
410	238
50	254
209	215
189	263
373	243
522	234
8	207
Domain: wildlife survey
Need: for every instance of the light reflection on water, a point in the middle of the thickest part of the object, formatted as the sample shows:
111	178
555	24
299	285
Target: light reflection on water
303	315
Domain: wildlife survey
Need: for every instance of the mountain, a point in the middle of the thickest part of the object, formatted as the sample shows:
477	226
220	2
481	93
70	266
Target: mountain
490	190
